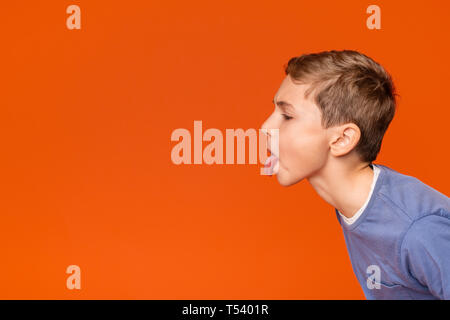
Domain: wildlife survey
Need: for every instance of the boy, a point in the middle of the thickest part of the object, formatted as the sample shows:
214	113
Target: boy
331	112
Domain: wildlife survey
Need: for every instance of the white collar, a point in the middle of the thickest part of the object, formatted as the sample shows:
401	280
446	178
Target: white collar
355	217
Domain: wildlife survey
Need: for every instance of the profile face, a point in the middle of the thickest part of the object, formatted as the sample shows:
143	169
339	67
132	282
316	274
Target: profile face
303	143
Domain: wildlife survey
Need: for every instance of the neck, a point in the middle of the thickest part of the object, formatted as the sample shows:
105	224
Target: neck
344	183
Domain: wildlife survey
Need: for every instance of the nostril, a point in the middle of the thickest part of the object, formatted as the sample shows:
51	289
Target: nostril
265	131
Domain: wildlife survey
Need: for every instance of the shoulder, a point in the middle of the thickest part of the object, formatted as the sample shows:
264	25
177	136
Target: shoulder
424	253
429	228
411	196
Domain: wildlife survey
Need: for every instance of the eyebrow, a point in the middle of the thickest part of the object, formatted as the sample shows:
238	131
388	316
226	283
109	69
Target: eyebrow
283	105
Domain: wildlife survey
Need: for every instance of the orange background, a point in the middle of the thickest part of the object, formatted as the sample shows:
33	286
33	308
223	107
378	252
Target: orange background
86	118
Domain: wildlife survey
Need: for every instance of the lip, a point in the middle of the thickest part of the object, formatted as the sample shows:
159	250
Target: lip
272	165
272	153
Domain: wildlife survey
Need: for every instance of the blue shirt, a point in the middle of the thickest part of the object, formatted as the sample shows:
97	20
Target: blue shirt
399	246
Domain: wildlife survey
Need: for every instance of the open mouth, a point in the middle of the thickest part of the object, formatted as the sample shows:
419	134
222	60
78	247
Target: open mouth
271	165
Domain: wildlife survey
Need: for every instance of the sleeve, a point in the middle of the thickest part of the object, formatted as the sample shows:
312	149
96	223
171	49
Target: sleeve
426	250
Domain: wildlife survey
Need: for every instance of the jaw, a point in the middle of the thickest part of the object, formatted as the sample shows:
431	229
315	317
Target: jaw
284	177
288	177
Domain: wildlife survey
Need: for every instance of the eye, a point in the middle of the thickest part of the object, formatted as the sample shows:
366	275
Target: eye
286	116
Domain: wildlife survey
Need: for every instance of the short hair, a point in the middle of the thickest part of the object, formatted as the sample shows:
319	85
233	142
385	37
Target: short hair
349	86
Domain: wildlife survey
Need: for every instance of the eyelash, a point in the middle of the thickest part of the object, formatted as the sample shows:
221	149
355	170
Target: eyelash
286	117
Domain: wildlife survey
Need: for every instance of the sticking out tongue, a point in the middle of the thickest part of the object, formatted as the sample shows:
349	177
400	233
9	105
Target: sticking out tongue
271	166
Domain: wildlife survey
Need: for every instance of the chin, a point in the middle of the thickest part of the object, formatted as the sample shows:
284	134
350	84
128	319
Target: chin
285	180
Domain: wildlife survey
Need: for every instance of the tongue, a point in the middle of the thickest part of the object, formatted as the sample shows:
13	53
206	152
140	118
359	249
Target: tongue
270	164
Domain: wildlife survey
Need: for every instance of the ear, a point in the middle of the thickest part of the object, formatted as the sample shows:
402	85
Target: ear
344	139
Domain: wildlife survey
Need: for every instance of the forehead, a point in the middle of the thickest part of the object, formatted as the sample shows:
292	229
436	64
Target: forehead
294	93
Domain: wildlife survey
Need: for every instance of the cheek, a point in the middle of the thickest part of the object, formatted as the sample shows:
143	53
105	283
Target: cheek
302	148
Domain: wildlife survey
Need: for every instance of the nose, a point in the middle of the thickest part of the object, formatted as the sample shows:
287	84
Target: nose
268	125
270	129
265	130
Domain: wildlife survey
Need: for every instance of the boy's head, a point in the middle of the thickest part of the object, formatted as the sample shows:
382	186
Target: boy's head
331	106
